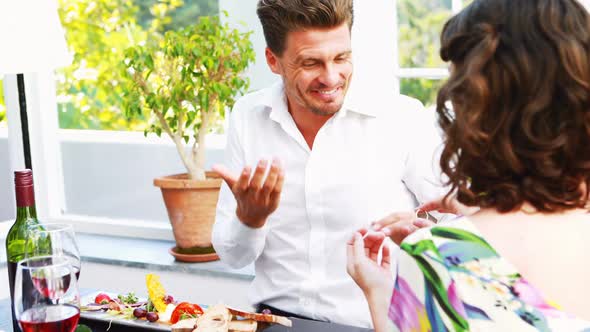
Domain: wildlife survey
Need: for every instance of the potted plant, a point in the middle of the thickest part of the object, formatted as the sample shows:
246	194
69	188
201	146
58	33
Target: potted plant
184	83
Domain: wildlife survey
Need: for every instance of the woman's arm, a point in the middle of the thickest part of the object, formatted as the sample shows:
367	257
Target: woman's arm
372	275
379	306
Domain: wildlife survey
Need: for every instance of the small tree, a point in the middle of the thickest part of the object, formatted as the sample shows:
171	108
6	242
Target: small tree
186	83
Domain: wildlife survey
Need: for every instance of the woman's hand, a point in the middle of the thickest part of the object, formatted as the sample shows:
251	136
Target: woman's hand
374	277
371	275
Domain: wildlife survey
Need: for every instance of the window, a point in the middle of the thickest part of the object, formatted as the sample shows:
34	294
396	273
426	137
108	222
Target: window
421	71
99	32
108	165
92	166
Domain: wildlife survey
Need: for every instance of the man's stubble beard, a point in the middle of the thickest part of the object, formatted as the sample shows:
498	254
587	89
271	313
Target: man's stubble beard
314	110
320	112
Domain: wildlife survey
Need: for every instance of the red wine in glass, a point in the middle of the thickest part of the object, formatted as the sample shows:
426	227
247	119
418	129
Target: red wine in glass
50	318
46	296
52	288
77	272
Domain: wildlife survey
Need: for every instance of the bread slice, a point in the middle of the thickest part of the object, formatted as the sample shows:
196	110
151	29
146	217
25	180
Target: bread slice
262	317
244	325
215	319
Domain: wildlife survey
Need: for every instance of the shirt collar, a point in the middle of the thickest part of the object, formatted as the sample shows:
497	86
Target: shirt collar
277	102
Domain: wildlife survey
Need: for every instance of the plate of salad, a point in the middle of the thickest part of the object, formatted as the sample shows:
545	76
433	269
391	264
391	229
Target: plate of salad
158	311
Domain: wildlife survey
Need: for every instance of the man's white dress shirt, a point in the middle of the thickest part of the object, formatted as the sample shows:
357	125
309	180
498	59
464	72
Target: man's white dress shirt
369	160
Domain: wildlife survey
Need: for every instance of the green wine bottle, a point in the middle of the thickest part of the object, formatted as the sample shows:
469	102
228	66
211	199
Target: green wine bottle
26	216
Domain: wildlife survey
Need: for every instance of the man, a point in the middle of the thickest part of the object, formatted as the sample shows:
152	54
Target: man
337	164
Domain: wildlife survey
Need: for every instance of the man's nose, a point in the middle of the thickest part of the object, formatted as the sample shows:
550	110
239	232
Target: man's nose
330	75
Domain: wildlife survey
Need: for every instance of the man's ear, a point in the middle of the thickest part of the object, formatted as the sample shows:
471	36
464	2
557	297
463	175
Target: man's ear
272	61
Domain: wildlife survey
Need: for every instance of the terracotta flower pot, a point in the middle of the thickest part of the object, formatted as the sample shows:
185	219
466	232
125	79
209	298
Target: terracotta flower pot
191	208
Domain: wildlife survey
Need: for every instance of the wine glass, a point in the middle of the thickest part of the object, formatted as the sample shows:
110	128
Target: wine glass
46	295
53	240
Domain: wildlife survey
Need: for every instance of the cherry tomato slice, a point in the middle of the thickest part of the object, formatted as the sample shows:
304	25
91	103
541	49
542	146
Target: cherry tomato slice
102	298
185	308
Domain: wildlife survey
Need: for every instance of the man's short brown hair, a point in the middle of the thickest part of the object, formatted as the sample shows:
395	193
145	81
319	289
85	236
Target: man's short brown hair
279	17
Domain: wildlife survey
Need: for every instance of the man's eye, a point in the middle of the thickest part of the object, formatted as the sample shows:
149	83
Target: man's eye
309	63
341	59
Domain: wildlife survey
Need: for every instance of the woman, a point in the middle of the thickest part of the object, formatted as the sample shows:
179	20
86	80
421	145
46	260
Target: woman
517	145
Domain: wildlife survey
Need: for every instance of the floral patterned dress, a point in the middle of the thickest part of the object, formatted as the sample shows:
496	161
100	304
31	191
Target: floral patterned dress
450	279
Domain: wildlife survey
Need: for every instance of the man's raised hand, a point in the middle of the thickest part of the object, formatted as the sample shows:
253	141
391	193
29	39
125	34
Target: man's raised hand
257	197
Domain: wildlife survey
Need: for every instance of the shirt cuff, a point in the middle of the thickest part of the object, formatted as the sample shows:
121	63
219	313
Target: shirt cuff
242	232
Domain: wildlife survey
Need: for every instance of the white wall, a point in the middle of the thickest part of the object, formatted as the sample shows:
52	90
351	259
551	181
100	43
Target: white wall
7	202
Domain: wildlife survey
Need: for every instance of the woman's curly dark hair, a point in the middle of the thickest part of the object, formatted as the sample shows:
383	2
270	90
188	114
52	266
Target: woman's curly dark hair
519	126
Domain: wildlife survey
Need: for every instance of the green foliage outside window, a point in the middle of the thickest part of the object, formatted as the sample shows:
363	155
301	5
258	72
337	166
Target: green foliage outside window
98	31
423	89
420	23
178	17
